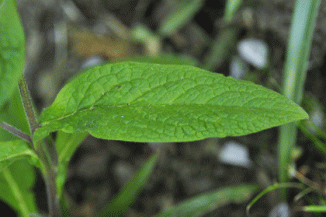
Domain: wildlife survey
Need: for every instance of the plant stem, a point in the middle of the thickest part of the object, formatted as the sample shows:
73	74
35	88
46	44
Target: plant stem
16	132
28	106
49	176
42	151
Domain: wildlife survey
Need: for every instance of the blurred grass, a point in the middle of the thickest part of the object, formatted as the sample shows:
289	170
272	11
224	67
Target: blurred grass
184	11
297	56
231	8
121	203
221	48
316	209
206	202
226	40
271	188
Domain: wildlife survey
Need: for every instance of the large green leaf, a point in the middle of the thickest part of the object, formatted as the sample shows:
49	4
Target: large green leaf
16	182
11	151
12	49
164	103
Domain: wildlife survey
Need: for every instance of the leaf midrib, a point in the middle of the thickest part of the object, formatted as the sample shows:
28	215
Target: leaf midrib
21	154
162	105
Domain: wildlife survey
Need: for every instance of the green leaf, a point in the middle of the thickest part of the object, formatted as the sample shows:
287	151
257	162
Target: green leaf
16	182
163	103
66	144
12	49
13	113
11	151
206	202
120	204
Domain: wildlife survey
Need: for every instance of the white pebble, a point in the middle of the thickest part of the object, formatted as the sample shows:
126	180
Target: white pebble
254	51
92	61
238	68
280	210
317	117
235	154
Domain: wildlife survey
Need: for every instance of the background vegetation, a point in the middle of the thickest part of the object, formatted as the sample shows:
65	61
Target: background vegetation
63	37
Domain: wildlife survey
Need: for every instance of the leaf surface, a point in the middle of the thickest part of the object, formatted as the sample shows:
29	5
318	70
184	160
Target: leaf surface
16	182
145	102
12	49
11	151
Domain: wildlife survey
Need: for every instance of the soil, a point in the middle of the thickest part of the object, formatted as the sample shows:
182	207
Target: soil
62	36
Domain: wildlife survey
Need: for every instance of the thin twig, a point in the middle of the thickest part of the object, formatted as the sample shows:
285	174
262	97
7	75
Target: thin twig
16	132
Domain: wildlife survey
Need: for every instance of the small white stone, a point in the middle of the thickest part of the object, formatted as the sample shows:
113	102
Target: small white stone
235	154
155	145
317	117
254	51
280	210
92	61
238	67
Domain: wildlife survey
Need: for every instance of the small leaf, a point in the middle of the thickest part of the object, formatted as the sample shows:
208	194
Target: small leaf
120	204
12	49
10	151
145	102
66	145
13	113
206	202
16	182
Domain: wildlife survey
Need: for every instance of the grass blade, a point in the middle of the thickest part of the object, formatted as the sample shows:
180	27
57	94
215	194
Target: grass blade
314	209
231	8
184	11
271	188
206	202
221	48
120	204
298	50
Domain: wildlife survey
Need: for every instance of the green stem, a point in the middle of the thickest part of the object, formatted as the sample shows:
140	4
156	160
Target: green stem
42	150
16	132
28	106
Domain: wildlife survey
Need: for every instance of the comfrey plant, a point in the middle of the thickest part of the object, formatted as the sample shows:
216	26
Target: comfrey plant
130	101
